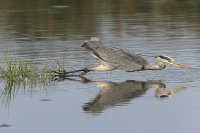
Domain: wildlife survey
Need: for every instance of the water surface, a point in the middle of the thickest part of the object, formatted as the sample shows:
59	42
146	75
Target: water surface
43	31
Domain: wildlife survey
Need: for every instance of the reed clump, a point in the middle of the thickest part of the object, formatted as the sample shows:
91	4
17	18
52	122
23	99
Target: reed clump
17	73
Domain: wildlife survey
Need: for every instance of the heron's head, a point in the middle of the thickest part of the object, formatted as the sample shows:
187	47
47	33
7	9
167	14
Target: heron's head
170	61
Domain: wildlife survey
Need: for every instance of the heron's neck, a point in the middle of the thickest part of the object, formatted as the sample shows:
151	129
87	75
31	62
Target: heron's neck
159	66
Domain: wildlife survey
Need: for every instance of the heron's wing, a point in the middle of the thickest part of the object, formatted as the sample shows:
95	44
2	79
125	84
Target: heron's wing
124	59
120	58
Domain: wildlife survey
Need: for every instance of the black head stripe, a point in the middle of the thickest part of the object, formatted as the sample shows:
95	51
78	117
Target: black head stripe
164	57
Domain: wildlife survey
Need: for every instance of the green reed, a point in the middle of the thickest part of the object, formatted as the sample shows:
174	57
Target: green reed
17	73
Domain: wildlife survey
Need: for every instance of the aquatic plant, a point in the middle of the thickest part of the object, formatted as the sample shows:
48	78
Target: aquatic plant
17	73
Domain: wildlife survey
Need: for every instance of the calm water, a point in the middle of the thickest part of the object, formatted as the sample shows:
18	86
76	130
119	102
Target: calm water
43	31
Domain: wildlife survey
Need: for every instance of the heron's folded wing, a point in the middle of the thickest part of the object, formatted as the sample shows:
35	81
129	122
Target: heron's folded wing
122	59
126	62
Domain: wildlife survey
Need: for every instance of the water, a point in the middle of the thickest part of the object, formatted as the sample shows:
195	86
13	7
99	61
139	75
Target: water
108	102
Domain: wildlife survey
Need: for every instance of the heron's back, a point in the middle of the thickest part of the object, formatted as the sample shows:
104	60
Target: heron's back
120	58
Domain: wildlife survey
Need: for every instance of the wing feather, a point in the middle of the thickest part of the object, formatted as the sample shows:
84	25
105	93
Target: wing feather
120	58
125	60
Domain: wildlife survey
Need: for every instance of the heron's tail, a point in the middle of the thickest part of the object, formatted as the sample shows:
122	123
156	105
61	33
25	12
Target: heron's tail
92	44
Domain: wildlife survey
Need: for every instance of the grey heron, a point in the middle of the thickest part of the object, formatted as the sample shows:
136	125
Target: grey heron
117	58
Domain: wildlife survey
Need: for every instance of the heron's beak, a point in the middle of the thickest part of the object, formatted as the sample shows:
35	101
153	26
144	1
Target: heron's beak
178	65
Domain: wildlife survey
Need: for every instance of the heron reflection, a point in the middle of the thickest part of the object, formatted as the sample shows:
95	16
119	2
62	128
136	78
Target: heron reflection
112	94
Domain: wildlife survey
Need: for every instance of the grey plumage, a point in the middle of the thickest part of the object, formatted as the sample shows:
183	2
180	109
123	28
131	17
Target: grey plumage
118	58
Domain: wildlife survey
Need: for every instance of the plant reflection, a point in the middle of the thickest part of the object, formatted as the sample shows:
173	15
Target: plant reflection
10	88
113	94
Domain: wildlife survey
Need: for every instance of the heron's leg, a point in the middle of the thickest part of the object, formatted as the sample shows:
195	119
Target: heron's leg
84	72
100	68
